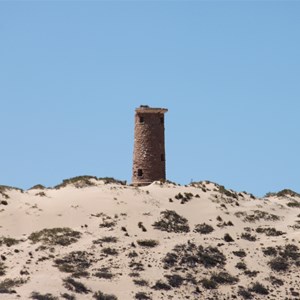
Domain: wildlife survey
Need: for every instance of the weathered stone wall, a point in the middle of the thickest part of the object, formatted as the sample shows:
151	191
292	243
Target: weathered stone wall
149	163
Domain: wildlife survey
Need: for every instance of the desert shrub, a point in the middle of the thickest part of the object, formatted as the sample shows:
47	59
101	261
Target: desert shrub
224	278
172	222
38	296
38	187
78	182
110	251
250	273
106	239
211	256
190	255
203	228
279	264
108	224
132	254
228	238
244	293
284	193
73	262
136	266
184	198
249	237
104	273
101	296
147	243
75	286
241	266
55	236
68	296
2	269
160	285
140	282
239	253
270	251
8	241
209	284
290	251
293	204
175	280
269	231
259	288
7	285
142	296
257	215
276	281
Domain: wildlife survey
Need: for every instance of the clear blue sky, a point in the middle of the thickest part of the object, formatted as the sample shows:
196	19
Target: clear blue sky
72	73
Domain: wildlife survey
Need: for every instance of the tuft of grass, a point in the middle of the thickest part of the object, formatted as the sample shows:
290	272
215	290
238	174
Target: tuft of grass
109	251
148	243
101	296
259	288
75	286
172	222
203	228
2	269
224	278
8	241
142	296
106	239
209	284
38	296
7	285
256	215
175	280
160	285
55	236
75	262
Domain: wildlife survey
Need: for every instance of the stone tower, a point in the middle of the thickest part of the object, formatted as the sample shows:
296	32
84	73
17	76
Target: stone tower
149	159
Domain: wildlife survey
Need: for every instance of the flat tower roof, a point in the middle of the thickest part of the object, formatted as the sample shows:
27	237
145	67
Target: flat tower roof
146	109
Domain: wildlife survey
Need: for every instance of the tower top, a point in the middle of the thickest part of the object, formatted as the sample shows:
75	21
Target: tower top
146	109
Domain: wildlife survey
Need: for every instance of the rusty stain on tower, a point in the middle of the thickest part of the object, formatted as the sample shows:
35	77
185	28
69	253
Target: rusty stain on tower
149	158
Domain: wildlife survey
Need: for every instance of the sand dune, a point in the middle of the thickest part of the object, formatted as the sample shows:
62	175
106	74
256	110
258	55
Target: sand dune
98	239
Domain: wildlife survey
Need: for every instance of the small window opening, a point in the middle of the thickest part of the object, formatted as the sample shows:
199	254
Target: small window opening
140	172
162	157
162	120
142	120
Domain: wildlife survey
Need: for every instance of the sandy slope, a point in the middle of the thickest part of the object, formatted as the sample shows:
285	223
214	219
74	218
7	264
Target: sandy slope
123	212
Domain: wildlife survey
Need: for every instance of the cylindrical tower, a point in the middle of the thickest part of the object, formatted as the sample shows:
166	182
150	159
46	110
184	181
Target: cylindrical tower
149	158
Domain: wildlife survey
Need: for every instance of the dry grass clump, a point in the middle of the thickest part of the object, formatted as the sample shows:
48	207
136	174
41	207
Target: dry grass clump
172	222
142	296
189	255
38	187
101	296
55	236
248	236
147	243
175	280
38	296
161	285
293	204
186	197
104	273
203	228
256	215
287	256
110	251
75	286
8	241
284	193
2	269
106	239
7	286
78	182
75	262
269	231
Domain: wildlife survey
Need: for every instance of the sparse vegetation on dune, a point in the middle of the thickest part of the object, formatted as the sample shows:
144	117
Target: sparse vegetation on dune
172	222
55	236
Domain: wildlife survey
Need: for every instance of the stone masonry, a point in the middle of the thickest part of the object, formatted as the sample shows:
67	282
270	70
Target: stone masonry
149	158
